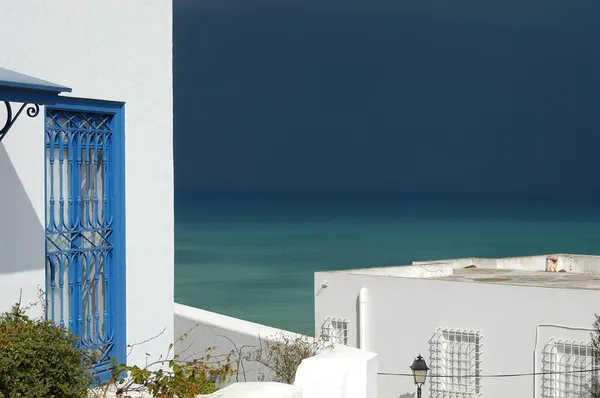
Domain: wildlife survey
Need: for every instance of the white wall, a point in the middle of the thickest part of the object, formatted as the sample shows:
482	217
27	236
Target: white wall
207	329
578	263
340	373
258	390
403	313
343	372
114	50
21	233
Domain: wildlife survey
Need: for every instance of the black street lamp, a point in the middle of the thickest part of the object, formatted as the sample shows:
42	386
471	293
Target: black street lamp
419	369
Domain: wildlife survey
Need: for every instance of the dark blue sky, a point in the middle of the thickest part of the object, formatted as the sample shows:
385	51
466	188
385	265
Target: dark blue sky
415	96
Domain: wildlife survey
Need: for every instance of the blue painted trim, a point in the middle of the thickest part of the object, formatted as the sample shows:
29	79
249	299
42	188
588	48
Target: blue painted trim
49	311
14	94
10	78
120	215
87	104
119	229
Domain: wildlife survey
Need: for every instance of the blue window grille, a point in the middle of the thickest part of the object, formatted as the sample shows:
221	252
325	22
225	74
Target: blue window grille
85	257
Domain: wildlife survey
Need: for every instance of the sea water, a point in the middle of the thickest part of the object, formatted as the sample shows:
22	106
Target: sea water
254	257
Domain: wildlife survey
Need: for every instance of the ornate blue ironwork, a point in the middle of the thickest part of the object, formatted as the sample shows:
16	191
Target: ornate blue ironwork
80	229
32	111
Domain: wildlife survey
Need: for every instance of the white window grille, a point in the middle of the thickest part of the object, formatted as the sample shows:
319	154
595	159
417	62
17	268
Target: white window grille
568	367
455	360
336	330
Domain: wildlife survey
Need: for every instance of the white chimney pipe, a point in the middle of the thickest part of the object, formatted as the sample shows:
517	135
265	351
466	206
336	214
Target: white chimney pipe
362	318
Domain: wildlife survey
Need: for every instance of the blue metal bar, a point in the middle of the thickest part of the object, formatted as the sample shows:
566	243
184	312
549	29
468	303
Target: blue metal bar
52	286
61	284
96	217
70	226
88	177
105	297
88	266
61	160
97	262
106	195
78	227
71	292
50	219
106	180
77	178
97	254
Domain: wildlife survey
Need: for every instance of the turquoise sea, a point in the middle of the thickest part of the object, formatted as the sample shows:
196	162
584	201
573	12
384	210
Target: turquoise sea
253	256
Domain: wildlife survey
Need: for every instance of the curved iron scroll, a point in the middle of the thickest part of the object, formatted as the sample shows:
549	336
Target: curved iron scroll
32	111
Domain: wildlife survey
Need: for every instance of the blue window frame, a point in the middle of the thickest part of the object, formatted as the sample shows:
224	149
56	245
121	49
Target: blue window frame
85	225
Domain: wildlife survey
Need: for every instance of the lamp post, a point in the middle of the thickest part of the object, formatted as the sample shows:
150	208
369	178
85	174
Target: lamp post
419	369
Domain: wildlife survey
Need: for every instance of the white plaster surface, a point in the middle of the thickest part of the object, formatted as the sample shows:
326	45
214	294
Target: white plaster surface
343	373
572	263
112	50
207	329
404	313
258	390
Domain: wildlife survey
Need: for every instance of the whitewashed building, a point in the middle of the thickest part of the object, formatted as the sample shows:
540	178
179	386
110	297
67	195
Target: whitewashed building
86	182
86	168
494	328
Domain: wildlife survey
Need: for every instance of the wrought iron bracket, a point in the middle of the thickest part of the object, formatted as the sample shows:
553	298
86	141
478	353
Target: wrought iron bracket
32	111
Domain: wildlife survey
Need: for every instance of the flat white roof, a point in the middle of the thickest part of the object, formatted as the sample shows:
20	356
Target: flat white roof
566	280
567	271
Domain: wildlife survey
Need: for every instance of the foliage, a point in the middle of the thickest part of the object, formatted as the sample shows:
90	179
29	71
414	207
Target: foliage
594	388
283	352
38	359
175	376
595	335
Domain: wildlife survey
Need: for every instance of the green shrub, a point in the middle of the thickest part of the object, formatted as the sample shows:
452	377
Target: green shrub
38	359
283	352
175	376
182	379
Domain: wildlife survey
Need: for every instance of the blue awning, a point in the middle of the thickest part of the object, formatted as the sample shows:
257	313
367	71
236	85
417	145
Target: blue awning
17	87
30	91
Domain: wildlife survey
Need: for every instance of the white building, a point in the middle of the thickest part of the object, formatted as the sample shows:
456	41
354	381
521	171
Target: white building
87	184
86	209
470	319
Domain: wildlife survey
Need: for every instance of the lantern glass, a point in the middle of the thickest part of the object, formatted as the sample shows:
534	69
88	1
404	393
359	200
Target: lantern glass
420	376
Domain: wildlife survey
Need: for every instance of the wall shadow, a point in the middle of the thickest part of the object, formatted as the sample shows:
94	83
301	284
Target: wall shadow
20	228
